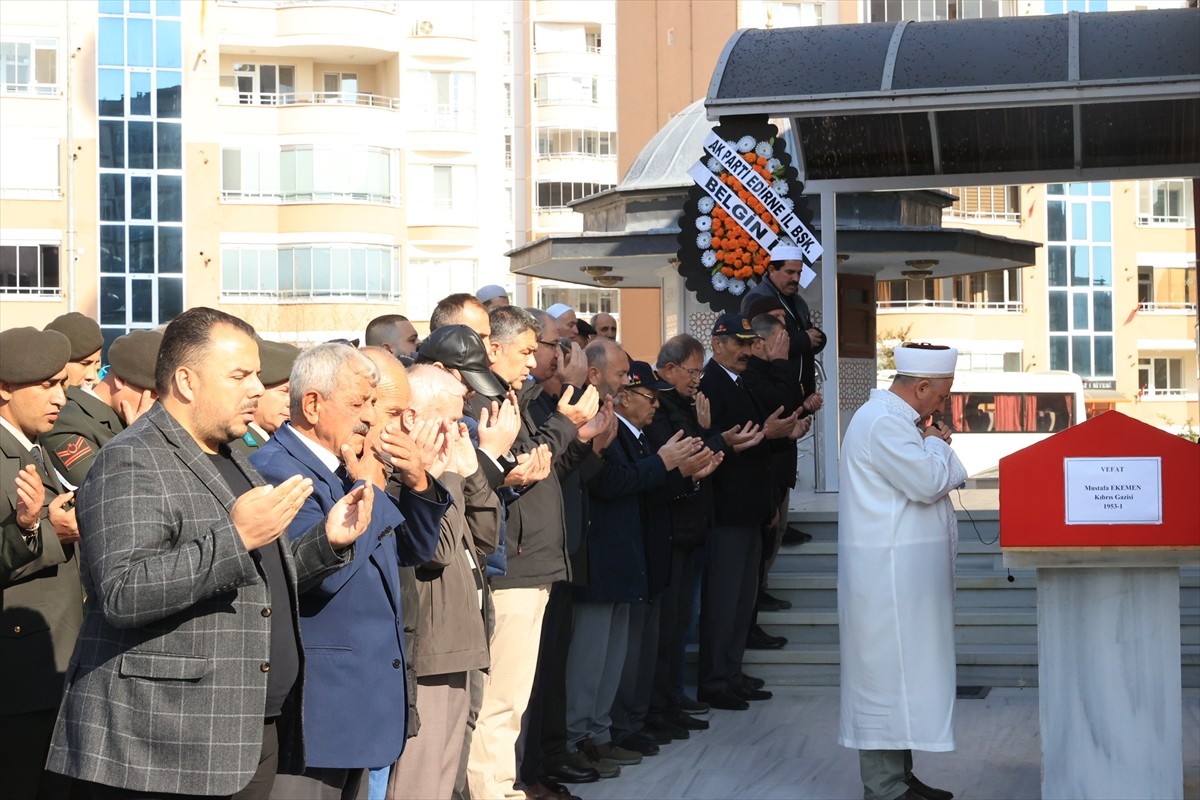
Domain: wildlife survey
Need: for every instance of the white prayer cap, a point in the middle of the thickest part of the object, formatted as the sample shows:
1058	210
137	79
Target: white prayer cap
490	292
926	360
787	252
558	309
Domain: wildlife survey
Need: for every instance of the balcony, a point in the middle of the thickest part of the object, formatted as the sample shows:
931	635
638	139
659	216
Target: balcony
1001	307
337	31
367	117
280	99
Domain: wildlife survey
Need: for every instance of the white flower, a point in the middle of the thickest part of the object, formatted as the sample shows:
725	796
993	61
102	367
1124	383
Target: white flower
764	149
705	204
773	164
719	281
780	186
714	165
745	144
704	240
708	258
736	286
732	145
787	201
703	223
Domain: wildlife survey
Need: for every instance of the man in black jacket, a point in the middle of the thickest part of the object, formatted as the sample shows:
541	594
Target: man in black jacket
805	340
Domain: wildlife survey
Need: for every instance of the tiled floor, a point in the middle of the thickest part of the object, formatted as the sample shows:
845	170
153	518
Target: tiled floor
787	747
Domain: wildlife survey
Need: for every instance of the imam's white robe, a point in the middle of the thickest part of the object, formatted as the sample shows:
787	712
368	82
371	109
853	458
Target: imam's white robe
897	542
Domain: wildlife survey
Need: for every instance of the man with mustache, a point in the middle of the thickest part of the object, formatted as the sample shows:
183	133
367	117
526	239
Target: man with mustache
352	621
743	497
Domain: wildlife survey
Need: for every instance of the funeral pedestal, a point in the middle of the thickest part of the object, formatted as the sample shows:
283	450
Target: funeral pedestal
1106	512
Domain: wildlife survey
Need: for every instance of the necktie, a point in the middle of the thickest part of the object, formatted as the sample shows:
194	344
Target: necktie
344	477
36	454
643	448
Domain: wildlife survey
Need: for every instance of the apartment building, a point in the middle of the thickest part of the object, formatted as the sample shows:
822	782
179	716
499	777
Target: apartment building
303	165
1112	295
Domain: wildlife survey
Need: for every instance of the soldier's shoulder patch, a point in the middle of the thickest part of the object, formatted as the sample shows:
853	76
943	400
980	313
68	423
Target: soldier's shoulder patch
249	439
73	450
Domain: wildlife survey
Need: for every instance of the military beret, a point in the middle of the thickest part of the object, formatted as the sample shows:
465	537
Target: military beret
133	356
276	359
84	333
28	355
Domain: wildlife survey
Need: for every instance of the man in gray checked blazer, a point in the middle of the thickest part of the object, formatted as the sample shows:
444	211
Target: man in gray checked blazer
189	651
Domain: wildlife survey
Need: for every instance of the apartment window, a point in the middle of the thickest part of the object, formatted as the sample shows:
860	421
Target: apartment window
508	100
1165	202
592	41
986	203
576	143
443	101
430	279
566	88
29	270
795	14
265	84
928	10
585	301
445	188
1079	253
29	66
340	87
996	290
1160	377
508	47
310	173
508	155
310	271
1167	289
555	195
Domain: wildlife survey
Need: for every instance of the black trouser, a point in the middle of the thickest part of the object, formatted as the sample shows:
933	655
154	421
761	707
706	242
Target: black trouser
675	618
727	606
24	745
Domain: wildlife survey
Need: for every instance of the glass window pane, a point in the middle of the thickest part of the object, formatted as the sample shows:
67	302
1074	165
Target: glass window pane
49	266
1058	311
111	93
112	144
229	269
110	45
112	301
167	8
248	280
142	300
112	197
1079	222
141	248
320	270
302	269
1081	355
170	299
141	145
1056	221
112	6
168	46
141	43
1102	266
170	147
1102	311
1080	266
169	91
1078	189
1102	221
358	269
1058	353
112	248
286	280
341	268
170	198
1104	355
170	249
1079	312
268	269
1057	256
139	6
139	94
140	198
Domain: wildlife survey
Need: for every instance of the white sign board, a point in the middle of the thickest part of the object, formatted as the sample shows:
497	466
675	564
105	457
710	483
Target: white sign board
1113	491
741	213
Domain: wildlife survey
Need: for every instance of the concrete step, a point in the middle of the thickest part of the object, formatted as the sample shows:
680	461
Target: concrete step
818	590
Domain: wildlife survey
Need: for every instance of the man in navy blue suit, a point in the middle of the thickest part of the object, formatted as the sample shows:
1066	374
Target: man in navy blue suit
352	622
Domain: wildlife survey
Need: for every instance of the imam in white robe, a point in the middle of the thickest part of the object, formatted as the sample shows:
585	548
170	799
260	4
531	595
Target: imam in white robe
897	542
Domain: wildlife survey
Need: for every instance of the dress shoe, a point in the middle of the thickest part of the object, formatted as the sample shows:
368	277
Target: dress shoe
751	681
662	728
794	536
758	639
769	602
586	757
725	699
689	706
928	792
618	754
640	743
746	693
567	773
557	788
540	791
687	721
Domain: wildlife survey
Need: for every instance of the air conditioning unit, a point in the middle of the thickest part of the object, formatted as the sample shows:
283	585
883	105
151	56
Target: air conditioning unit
424	28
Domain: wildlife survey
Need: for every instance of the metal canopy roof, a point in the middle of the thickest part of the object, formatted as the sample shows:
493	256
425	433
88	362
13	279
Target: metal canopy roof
1074	97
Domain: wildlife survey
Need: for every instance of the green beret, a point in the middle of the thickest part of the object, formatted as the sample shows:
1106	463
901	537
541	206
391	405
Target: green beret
133	356
84	333
276	360
28	355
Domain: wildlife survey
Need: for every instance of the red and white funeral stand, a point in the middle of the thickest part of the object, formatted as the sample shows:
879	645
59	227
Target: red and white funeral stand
1107	511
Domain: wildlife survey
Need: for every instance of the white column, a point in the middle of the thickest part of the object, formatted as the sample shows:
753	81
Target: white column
828	436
